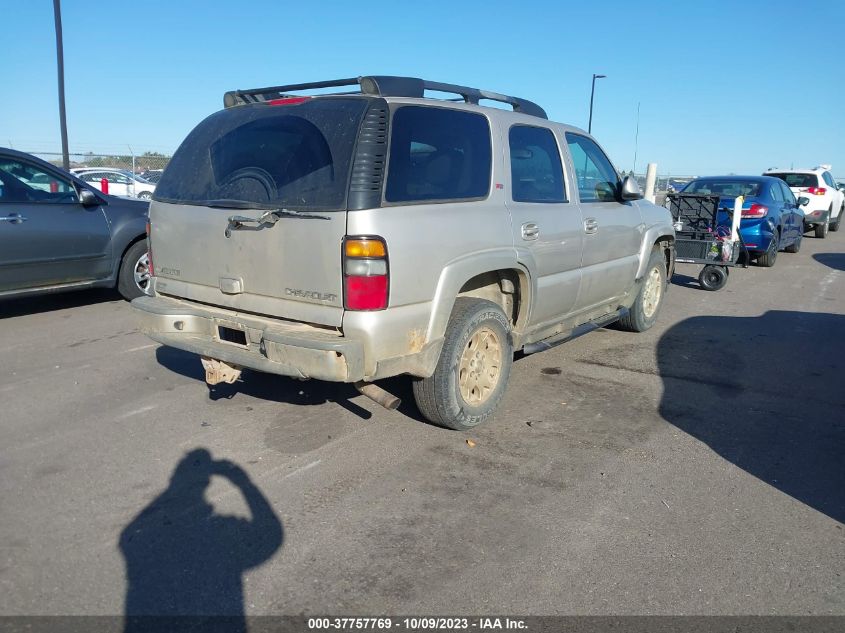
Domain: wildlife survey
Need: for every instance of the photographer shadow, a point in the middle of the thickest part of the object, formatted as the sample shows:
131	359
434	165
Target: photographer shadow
184	562
764	393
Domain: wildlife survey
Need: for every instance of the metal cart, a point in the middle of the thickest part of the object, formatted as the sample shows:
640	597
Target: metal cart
700	240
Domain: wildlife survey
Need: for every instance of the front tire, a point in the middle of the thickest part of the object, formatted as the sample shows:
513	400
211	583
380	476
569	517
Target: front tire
134	275
471	375
646	307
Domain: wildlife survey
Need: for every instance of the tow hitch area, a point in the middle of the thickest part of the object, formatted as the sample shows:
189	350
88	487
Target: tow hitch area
216	371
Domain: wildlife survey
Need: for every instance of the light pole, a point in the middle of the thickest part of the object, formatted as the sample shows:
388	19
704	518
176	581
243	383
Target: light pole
592	94
60	63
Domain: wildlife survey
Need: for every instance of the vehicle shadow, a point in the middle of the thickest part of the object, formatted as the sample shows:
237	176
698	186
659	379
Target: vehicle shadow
264	386
184	562
56	301
686	281
763	393
832	260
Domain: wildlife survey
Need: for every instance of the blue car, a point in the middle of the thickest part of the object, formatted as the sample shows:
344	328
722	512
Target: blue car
772	219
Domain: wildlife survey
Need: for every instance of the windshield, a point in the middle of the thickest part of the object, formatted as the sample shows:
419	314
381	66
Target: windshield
725	188
798	180
295	156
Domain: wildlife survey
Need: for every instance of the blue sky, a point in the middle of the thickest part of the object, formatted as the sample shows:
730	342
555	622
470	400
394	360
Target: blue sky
722	86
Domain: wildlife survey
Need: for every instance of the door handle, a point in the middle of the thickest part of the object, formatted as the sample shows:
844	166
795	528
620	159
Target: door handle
591	225
530	231
13	218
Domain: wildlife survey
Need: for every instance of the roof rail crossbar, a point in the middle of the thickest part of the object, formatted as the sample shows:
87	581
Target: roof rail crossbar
384	86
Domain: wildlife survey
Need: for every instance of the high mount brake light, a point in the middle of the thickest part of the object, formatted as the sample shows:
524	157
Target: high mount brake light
366	279
287	101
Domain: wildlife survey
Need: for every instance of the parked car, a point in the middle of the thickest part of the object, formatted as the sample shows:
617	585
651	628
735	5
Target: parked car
121	182
772	219
58	233
827	202
152	175
288	240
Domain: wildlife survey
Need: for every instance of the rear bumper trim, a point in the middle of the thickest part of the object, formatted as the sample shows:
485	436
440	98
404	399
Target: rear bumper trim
277	347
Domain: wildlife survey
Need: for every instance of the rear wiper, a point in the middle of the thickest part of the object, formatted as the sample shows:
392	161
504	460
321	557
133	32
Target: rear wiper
268	218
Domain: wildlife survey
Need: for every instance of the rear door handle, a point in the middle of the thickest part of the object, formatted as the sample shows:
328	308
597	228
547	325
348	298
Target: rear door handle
591	225
13	218
530	231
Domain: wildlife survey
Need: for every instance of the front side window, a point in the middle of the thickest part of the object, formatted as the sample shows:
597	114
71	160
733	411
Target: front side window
438	154
23	182
536	170
597	180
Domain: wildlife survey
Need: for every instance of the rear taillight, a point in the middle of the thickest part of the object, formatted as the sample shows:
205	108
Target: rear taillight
150	252
755	211
817	191
365	273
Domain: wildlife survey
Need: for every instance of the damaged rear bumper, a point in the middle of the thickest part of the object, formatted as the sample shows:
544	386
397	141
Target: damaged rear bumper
279	347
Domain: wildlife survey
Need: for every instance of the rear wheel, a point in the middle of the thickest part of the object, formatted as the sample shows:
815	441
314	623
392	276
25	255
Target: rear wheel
834	226
767	259
472	373
134	275
713	277
821	229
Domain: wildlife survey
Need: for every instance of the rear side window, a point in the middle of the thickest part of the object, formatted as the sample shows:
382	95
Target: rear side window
597	179
798	180
777	194
788	196
438	154
295	156
536	170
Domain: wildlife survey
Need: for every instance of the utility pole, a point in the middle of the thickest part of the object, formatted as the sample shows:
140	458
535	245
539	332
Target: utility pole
636	138
60	62
592	94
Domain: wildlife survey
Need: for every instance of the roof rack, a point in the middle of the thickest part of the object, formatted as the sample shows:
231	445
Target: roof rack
383	86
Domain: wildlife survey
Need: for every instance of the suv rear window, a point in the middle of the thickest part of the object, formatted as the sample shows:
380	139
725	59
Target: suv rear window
438	154
295	156
798	180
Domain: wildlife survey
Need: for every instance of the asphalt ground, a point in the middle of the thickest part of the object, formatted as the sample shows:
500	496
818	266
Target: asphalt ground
693	469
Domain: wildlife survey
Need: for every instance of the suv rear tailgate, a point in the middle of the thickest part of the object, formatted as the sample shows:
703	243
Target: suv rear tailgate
290	269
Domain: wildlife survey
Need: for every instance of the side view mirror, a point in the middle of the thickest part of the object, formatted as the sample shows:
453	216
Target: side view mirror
88	199
803	200
630	190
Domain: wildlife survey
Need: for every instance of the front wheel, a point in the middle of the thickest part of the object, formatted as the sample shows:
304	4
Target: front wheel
134	275
472	373
643	312
713	277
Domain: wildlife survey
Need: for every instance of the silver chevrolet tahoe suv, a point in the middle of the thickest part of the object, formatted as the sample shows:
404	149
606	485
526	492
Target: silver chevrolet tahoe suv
359	235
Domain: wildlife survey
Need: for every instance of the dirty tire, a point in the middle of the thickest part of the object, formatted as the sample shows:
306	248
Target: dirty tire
768	259
458	396
126	284
713	277
643	313
795	246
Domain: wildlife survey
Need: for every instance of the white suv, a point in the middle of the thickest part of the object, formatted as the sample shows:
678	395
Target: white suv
827	202
122	182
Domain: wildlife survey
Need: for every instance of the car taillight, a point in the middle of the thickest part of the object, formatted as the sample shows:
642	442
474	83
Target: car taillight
150	252
755	211
365	273
817	191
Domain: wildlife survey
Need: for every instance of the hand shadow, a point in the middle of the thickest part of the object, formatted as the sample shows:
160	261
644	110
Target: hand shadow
184	562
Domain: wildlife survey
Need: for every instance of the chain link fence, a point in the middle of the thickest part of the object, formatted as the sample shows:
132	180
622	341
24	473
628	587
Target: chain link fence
148	165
